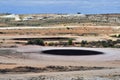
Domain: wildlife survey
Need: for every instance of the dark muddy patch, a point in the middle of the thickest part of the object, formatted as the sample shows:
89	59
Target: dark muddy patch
71	52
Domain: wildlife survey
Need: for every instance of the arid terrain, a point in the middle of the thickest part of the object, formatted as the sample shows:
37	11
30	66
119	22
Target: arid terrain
25	62
58	59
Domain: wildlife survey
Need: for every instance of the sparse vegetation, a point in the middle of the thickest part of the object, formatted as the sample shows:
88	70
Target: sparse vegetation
83	43
70	41
104	43
51	44
36	42
73	20
117	36
57	32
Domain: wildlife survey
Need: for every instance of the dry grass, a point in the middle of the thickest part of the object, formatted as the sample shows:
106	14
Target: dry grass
60	31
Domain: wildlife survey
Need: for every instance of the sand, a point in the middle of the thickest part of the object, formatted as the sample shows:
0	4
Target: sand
32	56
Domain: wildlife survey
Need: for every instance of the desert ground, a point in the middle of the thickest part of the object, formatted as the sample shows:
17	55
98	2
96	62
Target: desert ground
79	33
104	66
19	61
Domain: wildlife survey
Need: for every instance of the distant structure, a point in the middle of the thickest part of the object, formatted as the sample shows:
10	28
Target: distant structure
16	17
76	15
106	18
28	18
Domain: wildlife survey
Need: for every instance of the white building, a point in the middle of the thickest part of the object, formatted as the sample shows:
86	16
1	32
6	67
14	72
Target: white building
16	17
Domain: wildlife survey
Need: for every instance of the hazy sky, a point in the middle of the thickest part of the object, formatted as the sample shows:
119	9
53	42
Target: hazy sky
60	6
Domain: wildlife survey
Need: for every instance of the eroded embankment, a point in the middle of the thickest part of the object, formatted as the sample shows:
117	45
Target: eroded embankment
27	69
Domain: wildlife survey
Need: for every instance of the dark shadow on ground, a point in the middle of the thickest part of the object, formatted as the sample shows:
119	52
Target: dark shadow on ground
71	52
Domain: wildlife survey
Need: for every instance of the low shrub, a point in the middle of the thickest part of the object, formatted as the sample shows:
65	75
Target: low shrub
36	42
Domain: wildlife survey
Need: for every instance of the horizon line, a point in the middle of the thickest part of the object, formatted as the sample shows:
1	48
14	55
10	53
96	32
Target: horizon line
56	13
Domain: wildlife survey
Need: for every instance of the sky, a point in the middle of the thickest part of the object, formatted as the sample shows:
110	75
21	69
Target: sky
59	6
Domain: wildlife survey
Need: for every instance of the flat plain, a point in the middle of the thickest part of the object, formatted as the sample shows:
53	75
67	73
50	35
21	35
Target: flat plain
20	61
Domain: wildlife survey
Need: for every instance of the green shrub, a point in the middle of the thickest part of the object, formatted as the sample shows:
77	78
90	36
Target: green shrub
36	42
119	36
51	44
70	41
83	43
